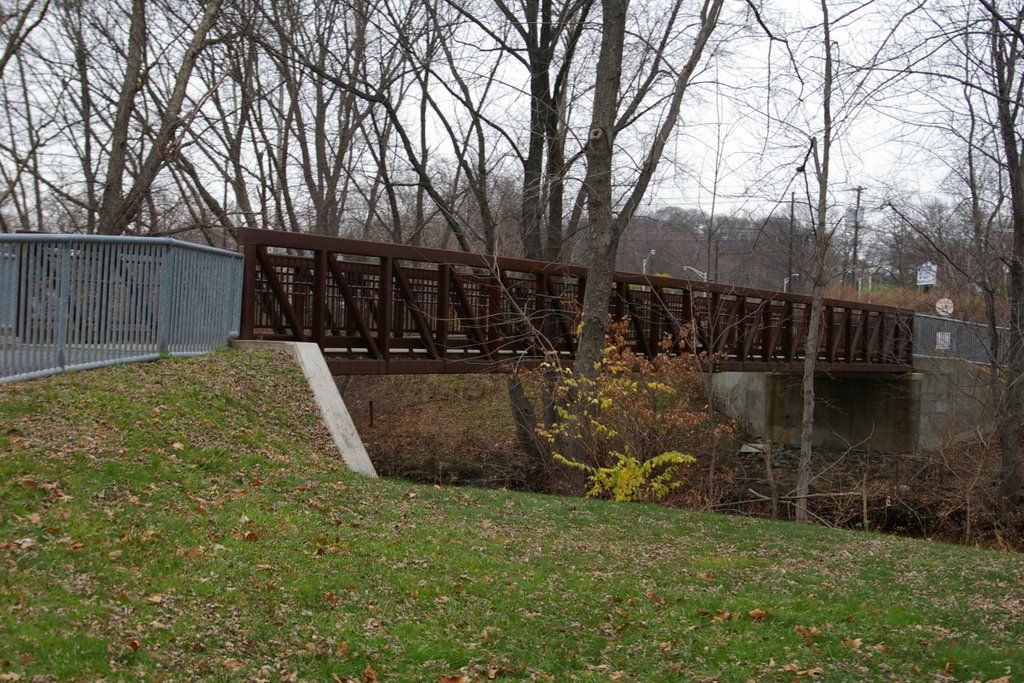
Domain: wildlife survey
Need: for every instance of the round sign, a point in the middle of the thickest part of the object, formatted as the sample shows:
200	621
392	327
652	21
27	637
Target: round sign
944	307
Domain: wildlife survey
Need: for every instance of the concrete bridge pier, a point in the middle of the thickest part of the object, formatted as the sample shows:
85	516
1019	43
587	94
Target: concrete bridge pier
943	400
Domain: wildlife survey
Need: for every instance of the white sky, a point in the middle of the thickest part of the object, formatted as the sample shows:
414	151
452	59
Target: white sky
875	151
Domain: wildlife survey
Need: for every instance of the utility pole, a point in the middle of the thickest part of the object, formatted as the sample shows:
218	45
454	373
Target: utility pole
792	229
856	236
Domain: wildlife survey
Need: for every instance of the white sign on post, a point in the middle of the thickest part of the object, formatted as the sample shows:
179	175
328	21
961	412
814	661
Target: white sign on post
927	273
943	341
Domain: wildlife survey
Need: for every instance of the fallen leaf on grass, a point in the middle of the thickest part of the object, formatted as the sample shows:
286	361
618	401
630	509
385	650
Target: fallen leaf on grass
10	677
155	599
178	446
251	536
453	679
795	669
133	643
231	664
852	644
370	675
808	633
343	649
724	616
114	554
758	614
881	647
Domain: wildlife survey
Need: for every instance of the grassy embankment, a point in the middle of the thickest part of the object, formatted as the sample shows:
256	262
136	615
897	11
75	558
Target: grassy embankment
187	520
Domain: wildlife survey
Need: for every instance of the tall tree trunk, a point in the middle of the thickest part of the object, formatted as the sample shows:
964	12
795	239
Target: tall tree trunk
526	421
605	227
821	234
803	472
602	231
119	210
113	188
1012	413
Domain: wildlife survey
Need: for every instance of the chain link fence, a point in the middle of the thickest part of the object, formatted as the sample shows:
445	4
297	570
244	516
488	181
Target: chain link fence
938	337
74	302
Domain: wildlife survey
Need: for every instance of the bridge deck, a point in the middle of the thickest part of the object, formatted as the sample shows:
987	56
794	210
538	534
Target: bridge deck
390	309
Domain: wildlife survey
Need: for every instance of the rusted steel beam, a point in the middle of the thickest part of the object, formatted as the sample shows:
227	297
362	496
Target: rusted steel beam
493	287
352	308
444	274
280	295
385	301
419	317
248	292
769	332
468	318
319	322
637	323
654	321
562	317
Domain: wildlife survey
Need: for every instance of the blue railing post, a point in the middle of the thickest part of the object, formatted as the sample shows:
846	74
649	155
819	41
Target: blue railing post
163	326
63	305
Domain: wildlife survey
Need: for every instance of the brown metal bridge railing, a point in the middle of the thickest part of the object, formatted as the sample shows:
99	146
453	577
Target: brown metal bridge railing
379	308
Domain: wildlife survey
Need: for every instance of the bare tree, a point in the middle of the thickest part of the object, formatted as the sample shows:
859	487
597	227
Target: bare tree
1007	46
118	205
607	218
16	24
971	53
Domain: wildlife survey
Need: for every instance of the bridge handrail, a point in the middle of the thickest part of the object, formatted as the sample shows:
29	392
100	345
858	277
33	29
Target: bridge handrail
82	301
354	247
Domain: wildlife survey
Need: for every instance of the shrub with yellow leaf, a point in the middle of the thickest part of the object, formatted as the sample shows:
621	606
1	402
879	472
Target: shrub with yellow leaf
627	427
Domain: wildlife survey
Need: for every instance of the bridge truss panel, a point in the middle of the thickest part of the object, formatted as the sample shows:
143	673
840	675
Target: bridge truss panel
382	308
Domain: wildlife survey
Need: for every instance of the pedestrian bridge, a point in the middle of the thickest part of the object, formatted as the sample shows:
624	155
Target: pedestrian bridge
379	308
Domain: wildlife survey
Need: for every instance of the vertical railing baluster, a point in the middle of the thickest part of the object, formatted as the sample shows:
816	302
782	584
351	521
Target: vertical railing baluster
166	298
63	304
654	322
320	297
444	280
384	306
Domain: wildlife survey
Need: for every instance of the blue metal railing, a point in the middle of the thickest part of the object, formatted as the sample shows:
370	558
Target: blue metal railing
74	301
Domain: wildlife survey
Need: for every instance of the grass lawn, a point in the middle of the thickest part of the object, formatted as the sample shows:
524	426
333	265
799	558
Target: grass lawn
186	520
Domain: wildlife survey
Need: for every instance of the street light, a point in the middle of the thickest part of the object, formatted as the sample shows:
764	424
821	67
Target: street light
785	281
643	266
703	276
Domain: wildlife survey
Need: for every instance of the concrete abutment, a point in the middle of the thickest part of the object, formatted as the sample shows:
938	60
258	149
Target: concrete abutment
943	400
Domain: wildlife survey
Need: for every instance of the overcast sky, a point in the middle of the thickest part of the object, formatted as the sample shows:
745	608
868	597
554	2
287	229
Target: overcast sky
725	139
